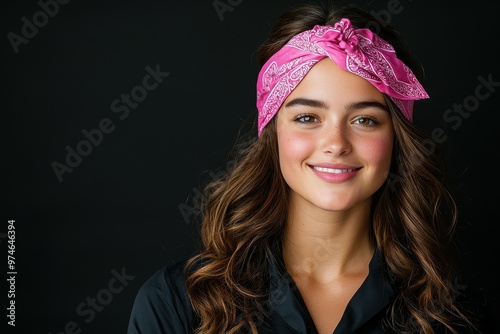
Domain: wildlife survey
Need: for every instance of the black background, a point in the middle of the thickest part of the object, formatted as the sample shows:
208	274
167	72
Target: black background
120	207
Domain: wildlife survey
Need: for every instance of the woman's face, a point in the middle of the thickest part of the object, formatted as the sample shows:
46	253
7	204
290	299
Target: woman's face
335	139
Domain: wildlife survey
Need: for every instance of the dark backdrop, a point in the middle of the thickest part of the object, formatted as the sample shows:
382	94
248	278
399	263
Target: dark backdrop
87	239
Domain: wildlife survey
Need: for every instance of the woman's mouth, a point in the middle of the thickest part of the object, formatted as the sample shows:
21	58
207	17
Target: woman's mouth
335	174
333	170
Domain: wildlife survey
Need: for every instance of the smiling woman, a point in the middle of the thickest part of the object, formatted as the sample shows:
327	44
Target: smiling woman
307	234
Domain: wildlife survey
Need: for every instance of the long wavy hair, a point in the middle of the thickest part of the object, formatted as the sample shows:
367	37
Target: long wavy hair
245	213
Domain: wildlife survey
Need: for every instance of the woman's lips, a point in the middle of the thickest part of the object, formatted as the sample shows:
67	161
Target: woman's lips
333	170
335	174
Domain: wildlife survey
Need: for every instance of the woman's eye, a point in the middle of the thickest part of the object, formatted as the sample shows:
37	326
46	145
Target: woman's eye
306	119
365	121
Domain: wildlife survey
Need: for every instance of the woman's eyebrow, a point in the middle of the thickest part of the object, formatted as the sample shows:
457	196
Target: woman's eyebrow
302	101
366	104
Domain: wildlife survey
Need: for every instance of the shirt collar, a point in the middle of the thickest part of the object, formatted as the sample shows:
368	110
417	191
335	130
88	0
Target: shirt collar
374	294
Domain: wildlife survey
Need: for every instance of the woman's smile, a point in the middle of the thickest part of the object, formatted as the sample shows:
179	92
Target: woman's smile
334	173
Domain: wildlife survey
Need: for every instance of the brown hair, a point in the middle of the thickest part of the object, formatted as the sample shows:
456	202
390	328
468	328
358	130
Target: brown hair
245	213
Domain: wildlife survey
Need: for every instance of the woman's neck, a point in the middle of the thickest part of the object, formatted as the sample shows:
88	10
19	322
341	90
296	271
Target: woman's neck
327	245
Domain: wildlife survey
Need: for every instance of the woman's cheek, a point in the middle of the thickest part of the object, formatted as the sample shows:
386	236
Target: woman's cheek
379	150
295	146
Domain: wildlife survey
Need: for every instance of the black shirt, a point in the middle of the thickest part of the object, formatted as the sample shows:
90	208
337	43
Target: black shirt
162	305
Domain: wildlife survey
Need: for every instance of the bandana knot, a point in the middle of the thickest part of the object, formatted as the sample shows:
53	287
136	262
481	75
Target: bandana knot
342	35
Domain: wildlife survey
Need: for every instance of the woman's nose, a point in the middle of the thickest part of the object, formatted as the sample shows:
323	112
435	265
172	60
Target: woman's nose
336	140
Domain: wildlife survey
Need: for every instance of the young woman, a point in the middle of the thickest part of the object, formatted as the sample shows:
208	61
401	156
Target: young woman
336	219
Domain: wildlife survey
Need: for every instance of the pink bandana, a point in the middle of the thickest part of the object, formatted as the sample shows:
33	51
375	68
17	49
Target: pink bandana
358	51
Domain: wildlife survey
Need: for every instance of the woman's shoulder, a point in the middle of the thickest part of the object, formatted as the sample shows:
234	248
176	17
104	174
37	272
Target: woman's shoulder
168	280
161	304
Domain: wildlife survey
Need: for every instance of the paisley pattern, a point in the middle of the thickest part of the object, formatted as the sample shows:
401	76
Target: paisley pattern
358	51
